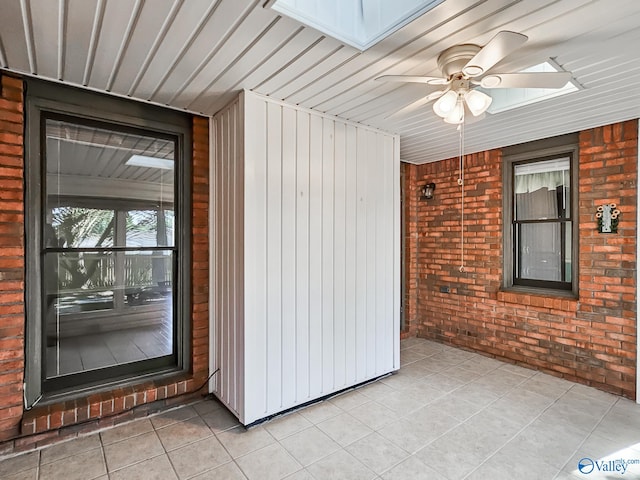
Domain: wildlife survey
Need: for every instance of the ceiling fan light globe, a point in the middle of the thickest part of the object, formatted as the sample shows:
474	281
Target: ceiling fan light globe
456	116
477	102
445	104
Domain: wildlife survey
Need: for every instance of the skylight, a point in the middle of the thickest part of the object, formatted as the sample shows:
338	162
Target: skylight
152	162
510	98
359	23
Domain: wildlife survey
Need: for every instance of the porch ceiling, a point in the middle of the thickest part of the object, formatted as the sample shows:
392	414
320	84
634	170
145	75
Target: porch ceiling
197	54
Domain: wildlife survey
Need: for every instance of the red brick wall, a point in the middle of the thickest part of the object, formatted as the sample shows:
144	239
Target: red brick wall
41	425
591	339
11	257
200	248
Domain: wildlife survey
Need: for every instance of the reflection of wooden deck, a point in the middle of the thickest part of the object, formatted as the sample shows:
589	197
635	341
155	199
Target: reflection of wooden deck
151	312
88	352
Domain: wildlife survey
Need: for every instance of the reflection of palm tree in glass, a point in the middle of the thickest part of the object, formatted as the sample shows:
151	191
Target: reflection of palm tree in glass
77	228
140	223
95	228
147	228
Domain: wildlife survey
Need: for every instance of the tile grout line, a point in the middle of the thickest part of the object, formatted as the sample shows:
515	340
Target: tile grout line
481	410
155	431
444	394
479	375
213	434
534	419
410	454
137	462
233	460
104	457
587	436
524	380
173	467
304	467
166	452
38	465
313	424
98	431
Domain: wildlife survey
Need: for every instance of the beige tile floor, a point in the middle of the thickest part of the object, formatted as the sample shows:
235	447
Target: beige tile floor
447	415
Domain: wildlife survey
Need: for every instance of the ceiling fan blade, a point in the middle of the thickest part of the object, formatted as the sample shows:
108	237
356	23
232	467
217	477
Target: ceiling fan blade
413	79
417	104
498	47
526	80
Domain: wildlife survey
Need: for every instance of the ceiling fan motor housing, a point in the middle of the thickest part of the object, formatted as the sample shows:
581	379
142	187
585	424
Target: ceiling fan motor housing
452	60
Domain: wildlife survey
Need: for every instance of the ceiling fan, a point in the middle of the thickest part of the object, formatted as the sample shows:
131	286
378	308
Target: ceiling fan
465	66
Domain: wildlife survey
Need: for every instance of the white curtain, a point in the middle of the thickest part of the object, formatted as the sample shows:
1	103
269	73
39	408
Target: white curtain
535	181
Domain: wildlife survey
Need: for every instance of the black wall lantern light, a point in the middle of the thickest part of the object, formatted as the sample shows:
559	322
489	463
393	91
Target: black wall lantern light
427	191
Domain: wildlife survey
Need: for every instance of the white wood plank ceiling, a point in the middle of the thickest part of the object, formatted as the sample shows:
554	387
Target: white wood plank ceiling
197	54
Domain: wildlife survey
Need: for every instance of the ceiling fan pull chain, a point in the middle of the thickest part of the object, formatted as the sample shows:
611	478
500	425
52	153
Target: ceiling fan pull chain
461	183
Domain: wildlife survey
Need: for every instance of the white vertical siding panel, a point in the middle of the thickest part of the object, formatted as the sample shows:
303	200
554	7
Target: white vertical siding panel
302	257
339	257
227	276
229	244
213	281
289	210
396	253
382	227
216	208
274	256
372	174
327	253
225	231
306	219
389	205
255	213
351	206
361	255
239	323
315	257
232	234
221	318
